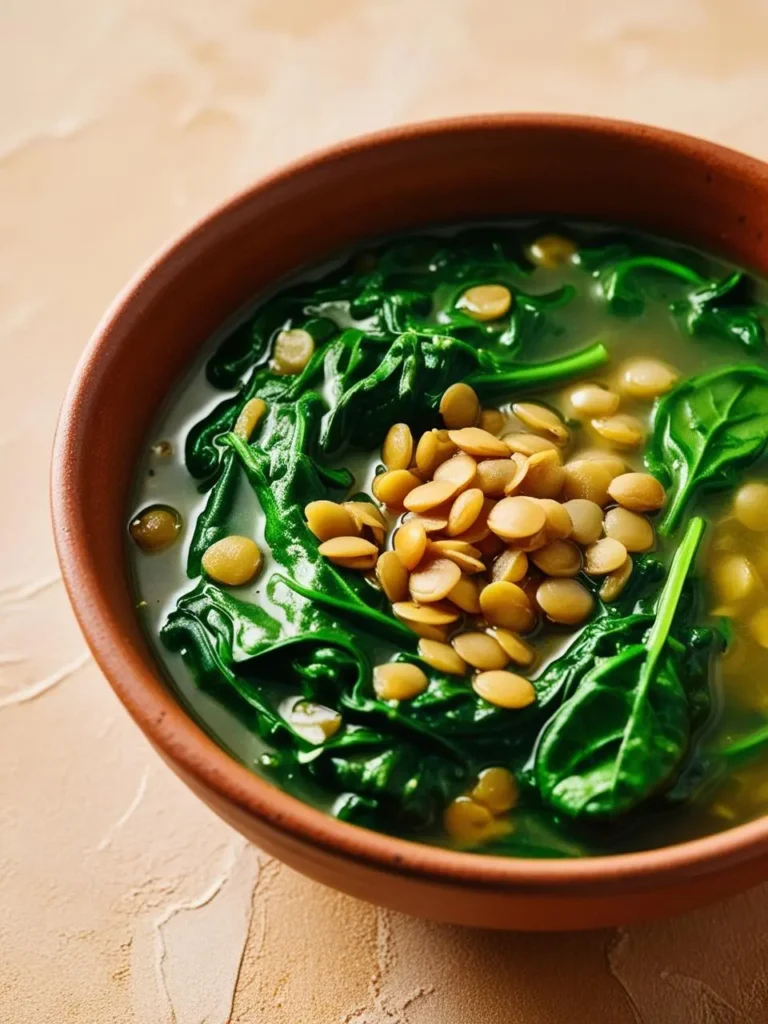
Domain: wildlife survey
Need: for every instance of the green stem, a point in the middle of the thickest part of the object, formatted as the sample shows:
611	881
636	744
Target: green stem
658	263
665	613
253	459
670	595
747	745
529	375
667	525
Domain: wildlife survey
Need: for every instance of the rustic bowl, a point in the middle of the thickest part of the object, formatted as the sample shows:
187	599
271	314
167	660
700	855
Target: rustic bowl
410	177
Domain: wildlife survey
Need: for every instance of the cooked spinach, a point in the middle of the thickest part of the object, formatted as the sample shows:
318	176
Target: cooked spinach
703	306
625	731
706	432
616	713
724	309
626	282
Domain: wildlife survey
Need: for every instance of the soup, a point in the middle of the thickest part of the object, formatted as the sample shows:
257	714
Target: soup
465	538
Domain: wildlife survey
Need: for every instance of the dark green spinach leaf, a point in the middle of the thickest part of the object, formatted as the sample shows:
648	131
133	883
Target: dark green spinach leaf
724	309
625	731
706	432
626	282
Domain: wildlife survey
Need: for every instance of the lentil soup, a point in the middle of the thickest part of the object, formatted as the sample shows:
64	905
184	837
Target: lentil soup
466	539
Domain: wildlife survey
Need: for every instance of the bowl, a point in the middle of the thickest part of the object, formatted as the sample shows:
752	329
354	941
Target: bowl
412	177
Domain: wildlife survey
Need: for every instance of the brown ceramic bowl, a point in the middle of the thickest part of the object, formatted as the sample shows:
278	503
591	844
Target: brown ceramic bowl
411	177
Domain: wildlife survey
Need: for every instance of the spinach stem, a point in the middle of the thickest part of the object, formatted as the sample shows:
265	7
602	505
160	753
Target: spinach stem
670	595
665	614
526	375
747	745
678	270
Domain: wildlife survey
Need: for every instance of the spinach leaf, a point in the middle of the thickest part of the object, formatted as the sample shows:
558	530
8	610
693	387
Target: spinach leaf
413	374
626	282
396	786
724	309
285	481
721	308
213	522
626	729
706	432
530	318
602	638
204	634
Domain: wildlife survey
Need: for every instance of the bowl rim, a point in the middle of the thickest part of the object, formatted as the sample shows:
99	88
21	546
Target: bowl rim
185	744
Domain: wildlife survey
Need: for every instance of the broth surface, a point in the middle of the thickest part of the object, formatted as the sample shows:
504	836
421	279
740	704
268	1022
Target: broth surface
711	797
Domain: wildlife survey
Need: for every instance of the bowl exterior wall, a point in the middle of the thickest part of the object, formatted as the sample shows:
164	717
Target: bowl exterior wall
407	179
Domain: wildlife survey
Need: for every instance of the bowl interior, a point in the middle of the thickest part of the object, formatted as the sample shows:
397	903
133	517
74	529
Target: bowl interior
412	178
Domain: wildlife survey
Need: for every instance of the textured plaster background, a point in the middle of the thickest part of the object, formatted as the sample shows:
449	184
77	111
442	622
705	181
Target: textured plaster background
121	898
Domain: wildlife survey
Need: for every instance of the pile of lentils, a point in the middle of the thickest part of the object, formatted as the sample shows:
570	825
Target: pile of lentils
488	532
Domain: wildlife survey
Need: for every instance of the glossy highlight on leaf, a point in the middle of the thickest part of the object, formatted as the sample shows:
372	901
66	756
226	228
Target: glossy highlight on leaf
706	432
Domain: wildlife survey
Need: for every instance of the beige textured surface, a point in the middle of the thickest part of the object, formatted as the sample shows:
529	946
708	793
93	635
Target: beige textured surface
122	898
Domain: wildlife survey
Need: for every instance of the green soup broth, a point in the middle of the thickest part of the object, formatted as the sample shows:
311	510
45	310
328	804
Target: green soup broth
390	332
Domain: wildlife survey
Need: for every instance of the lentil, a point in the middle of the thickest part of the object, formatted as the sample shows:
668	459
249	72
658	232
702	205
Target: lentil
614	582
441	657
518	650
234	560
480	651
630	528
647	378
592	400
516	518
249	418
399	680
392	488
293	350
639	492
155	529
397	450
507	605
558	558
434	580
479	443
327	520
504	689
496	789
459	407
622	430
750	506
486	301
510	566
428	496
392	576
542	420
604	556
551	251
565	601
